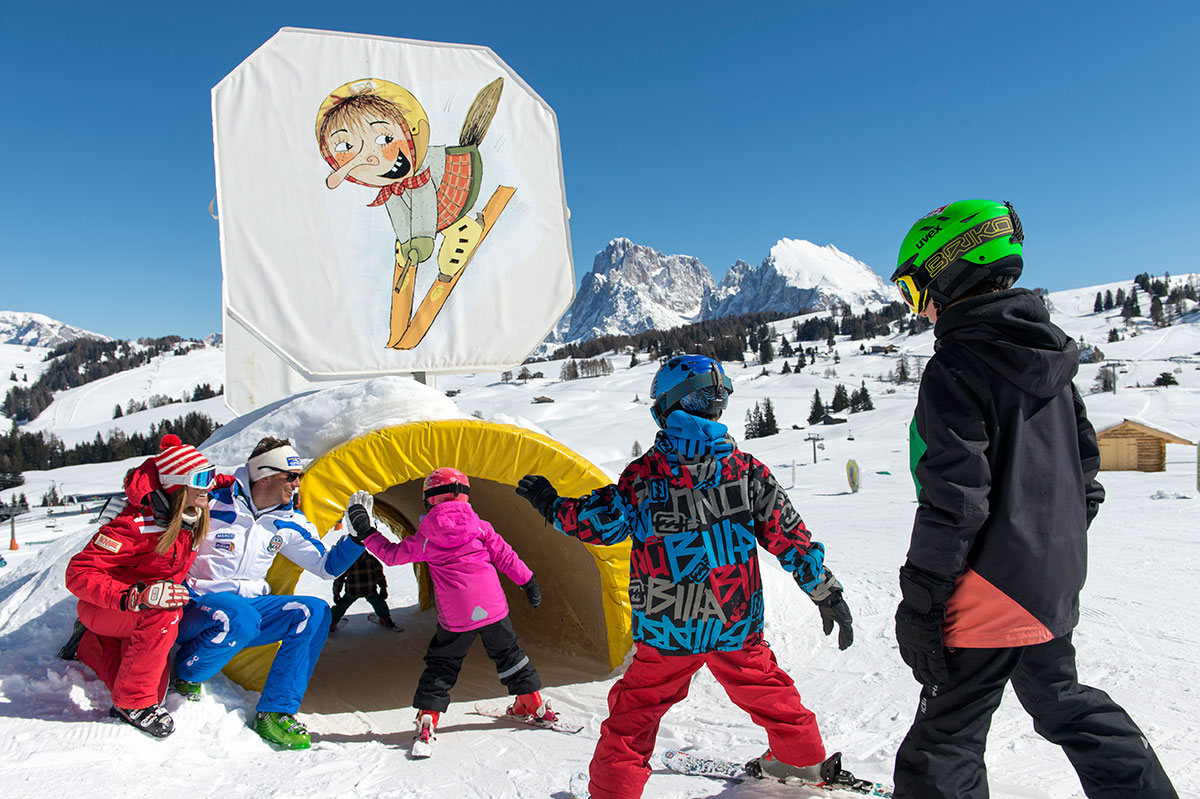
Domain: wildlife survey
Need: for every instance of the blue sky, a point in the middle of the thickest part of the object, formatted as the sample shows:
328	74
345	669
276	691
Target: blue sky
837	122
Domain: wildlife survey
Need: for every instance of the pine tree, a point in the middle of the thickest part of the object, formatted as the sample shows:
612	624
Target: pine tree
637	449
841	400
117	414
751	426
1098	306
902	373
770	426
1156	312
786	369
633	359
766	351
817	411
1108	300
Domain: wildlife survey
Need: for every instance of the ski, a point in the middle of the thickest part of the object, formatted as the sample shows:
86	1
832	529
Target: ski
501	712
396	628
422	749
579	785
423	741
439	292
696	765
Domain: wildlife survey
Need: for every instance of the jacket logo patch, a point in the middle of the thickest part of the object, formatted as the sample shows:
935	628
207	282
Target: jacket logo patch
275	544
225	536
224	546
104	542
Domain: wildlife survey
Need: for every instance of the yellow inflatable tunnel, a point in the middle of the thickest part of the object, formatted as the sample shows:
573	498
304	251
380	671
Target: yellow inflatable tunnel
585	612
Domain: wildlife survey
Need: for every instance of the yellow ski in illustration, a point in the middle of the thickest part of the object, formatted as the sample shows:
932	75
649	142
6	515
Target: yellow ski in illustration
463	239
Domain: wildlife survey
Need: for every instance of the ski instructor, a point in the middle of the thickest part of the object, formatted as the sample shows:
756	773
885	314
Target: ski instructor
253	519
1005	463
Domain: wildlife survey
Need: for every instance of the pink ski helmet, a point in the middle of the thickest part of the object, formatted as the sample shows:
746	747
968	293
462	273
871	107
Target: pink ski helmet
446	484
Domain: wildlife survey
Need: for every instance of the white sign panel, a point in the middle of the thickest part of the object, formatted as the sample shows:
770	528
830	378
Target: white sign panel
386	206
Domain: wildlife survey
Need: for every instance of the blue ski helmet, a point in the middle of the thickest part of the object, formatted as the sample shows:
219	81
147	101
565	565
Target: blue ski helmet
693	383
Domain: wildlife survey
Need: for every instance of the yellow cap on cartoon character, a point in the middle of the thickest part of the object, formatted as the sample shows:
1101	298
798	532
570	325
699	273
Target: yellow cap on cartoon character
372	132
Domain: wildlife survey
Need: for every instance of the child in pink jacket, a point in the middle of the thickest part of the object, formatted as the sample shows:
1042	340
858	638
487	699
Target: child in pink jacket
463	553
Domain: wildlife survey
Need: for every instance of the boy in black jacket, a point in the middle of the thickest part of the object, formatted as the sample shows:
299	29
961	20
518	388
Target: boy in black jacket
1005	463
363	580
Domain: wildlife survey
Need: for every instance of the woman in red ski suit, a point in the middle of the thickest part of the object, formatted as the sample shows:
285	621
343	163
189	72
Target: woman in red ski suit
129	576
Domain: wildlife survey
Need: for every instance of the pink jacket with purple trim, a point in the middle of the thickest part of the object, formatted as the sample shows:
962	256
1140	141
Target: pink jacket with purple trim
463	553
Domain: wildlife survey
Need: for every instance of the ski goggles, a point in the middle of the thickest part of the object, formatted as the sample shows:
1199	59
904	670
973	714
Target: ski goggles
204	479
915	298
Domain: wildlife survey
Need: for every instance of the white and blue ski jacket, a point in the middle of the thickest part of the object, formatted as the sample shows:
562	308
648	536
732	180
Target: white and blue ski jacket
243	541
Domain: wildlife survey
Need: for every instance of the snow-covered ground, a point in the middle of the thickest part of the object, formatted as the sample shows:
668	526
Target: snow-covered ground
1138	639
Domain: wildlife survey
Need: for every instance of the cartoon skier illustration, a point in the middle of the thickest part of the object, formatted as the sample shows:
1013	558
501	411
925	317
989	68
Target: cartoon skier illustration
376	133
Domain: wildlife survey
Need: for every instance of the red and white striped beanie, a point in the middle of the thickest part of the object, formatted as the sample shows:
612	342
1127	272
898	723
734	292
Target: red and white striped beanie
176	461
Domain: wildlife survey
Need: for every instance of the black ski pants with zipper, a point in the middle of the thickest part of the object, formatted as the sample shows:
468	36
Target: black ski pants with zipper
942	755
443	661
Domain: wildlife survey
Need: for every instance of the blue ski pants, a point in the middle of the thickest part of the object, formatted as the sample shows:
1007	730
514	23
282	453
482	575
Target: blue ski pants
215	627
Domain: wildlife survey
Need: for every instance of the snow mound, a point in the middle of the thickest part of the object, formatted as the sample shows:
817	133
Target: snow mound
1168	495
318	421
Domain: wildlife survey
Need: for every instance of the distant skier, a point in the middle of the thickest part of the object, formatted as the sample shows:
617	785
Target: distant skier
1005	463
255	518
129	582
697	508
463	553
363	580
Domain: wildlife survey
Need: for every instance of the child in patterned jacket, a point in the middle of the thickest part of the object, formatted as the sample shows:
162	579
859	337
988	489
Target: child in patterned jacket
697	509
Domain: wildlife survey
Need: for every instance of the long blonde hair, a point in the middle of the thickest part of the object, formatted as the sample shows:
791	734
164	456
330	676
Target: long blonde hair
167	539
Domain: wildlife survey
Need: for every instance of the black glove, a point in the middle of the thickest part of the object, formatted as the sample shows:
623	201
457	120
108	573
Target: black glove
538	492
532	592
833	609
919	625
360	523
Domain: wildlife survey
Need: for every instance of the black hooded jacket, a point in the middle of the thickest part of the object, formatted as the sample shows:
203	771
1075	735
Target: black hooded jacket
1007	484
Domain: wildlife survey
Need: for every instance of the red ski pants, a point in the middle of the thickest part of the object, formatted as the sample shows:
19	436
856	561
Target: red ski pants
128	651
654	682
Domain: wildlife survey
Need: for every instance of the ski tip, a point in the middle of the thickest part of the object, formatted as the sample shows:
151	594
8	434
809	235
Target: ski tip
579	785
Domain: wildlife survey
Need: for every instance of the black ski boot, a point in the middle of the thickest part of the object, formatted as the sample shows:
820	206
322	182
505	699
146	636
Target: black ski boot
153	720
72	644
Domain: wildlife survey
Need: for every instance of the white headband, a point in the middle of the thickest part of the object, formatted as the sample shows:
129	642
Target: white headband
280	459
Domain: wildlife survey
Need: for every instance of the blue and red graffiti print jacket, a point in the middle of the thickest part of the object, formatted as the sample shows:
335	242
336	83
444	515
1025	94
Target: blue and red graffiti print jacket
697	509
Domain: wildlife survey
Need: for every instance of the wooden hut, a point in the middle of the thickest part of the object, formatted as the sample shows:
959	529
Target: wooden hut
1135	446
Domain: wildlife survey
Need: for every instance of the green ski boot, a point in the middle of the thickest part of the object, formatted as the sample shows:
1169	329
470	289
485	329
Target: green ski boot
282	729
187	689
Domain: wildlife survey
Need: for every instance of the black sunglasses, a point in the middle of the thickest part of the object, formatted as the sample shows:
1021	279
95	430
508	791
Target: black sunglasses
291	476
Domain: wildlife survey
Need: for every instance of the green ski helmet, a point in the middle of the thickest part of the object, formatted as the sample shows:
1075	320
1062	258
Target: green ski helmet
954	248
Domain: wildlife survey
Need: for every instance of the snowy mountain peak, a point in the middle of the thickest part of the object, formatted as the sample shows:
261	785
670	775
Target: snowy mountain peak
37	330
632	288
796	274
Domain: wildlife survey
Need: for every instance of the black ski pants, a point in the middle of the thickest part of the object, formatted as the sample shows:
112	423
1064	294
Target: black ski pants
340	606
942	755
444	658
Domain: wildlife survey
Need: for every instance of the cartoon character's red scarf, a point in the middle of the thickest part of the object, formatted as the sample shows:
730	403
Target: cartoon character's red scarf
415	182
